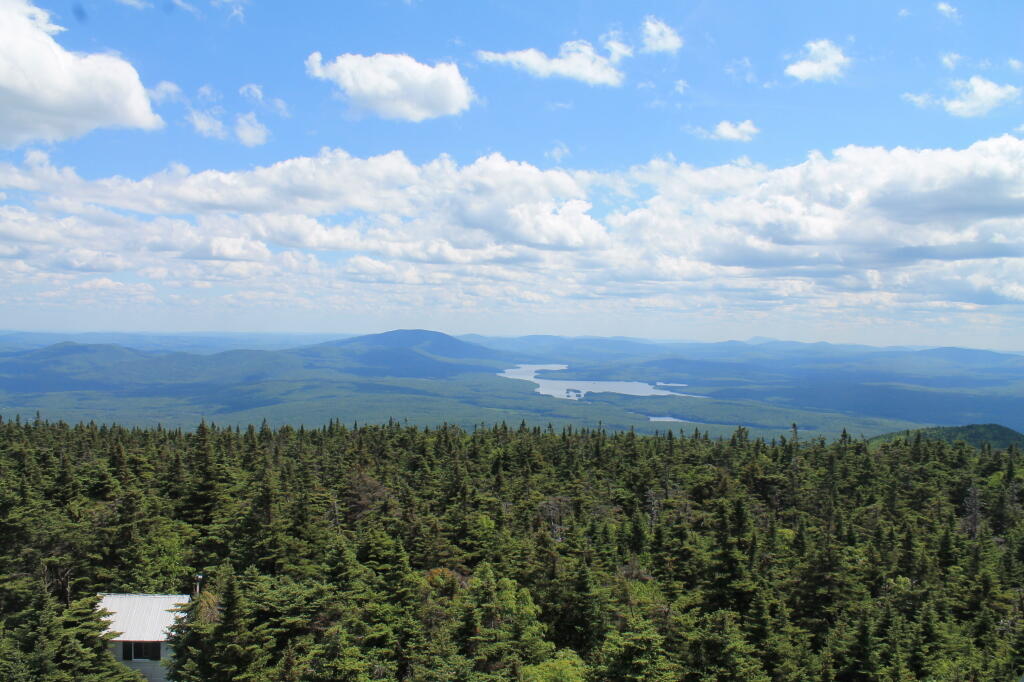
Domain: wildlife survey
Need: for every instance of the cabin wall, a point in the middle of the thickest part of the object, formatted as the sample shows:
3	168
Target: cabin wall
153	671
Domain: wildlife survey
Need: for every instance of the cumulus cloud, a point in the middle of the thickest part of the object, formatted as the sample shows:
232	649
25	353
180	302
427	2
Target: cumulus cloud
823	60
208	93
617	49
743	131
558	152
395	86
577	59
950	60
165	91
250	131
660	37
862	228
89	260
921	100
48	93
206	123
230	248
252	91
977	96
947	10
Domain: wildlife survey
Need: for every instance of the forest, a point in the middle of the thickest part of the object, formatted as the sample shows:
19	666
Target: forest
397	552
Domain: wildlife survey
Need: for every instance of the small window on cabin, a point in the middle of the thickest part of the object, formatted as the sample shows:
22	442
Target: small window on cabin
135	651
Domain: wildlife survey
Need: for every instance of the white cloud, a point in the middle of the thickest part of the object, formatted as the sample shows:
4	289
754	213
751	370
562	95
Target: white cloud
208	93
396	86
681	86
280	107
950	59
251	91
617	50
236	8
90	260
823	60
1015	64
207	124
660	37
742	69
230	248
859	231
743	131
137	4
188	7
49	93
165	91
947	10
250	131
918	100
254	92
977	96
558	152
577	59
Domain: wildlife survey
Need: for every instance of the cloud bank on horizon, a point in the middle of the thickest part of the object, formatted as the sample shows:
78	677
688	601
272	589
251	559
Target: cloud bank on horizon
385	177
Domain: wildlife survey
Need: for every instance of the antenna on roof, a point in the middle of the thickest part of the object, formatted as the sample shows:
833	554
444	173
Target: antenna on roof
198	585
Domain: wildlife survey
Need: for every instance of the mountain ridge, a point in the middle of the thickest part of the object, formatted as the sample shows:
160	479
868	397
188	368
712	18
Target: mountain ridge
428	376
975	435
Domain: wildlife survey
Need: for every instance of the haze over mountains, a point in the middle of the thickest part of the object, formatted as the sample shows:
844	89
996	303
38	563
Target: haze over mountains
428	377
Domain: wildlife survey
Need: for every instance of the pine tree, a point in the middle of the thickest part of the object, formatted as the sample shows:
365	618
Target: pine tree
635	653
500	625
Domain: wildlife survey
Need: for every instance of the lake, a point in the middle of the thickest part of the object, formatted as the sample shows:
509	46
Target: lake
574	389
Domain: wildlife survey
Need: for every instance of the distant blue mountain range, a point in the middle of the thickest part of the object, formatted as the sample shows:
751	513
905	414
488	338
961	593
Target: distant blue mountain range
427	377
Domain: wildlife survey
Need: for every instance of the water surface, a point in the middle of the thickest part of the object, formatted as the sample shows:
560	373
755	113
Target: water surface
574	389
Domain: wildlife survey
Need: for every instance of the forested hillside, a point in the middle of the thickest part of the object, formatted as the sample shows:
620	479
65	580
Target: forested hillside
391	552
426	377
976	435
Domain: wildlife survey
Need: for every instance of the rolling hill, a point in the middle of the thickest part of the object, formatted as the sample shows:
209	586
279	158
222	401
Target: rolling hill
428	377
975	435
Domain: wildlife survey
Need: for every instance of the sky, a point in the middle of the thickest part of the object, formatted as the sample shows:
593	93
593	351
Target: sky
849	171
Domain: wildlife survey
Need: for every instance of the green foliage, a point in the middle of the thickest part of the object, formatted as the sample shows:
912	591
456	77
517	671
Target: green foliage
564	666
975	435
390	552
54	643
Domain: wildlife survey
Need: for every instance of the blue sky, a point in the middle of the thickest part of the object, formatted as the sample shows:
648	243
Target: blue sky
849	171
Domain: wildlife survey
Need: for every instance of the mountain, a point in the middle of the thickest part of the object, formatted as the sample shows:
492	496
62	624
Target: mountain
416	374
428	377
208	343
975	435
414	353
403	353
547	348
423	341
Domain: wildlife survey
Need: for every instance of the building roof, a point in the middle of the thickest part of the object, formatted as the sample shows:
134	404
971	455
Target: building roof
141	617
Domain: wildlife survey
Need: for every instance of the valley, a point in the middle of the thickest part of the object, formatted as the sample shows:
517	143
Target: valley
423	377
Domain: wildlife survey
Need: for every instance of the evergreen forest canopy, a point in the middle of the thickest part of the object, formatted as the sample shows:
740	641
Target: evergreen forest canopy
393	552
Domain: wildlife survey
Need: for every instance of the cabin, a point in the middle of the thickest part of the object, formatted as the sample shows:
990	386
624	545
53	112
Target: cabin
141	624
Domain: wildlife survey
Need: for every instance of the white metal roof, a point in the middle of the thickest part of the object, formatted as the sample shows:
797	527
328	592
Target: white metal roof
141	617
